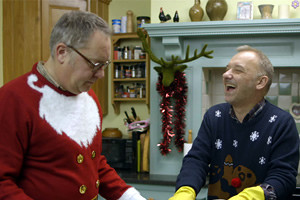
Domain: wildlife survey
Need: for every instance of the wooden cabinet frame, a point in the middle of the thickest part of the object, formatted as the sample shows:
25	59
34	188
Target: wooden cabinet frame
23	42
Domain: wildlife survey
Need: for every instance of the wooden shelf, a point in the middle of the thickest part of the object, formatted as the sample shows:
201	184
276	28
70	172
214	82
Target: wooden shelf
129	61
119	40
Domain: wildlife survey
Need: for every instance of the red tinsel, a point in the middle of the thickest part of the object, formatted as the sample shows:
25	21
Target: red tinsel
176	90
236	182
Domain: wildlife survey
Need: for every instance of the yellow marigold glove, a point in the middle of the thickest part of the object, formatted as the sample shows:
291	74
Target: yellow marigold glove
252	193
184	193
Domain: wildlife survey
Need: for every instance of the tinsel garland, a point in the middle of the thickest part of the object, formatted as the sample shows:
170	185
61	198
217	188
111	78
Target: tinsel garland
176	90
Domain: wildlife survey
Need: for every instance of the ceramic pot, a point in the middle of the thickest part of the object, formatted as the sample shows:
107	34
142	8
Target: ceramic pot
112	133
216	9
196	12
266	11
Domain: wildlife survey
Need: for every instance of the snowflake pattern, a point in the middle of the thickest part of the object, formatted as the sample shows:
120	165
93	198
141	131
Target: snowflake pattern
218	113
254	136
235	143
262	160
273	119
269	140
218	144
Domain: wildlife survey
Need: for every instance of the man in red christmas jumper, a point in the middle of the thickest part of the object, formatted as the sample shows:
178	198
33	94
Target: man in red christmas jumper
51	120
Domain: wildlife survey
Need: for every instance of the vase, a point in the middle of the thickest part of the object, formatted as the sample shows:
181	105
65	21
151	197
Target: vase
196	12
266	11
216	9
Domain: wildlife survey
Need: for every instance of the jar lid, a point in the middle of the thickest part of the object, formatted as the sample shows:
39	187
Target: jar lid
143	17
116	20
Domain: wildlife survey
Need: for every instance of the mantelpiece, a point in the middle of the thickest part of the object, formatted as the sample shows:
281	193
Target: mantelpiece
279	39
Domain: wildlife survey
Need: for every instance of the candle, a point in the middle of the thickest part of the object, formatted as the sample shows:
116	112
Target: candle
283	11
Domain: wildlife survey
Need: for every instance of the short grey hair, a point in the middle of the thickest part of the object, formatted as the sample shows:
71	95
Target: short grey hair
75	28
266	67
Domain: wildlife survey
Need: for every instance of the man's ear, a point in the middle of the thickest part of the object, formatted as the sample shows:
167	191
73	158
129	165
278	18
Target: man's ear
262	82
61	52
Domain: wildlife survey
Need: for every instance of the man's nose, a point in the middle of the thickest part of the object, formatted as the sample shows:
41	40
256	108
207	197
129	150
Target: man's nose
227	74
100	73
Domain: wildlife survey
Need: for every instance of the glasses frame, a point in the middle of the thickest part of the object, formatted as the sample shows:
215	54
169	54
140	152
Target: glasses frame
95	66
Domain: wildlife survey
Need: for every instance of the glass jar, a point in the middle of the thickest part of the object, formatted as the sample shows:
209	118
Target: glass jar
142	20
116	25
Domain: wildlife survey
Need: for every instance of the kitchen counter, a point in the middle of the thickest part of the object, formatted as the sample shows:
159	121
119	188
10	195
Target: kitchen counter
155	179
147	179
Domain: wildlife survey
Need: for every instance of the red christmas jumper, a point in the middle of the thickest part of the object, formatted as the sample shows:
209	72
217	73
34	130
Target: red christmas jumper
51	143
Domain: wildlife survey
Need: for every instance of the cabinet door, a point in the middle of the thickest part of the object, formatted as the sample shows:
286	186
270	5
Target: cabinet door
21	37
26	32
52	10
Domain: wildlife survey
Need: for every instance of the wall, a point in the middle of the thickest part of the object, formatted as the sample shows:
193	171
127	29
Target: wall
284	91
279	39
1	45
170	6
117	9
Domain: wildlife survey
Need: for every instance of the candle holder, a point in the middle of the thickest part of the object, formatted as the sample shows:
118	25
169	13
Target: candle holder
266	11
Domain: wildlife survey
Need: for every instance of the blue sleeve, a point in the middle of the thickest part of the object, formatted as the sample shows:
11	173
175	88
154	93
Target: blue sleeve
195	167
283	167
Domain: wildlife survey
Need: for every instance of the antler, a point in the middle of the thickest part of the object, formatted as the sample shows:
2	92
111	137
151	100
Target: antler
168	68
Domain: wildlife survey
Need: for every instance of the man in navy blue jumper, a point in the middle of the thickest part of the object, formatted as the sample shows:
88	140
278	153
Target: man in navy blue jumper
247	147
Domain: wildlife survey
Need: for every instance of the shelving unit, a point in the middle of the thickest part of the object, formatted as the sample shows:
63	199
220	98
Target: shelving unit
131	40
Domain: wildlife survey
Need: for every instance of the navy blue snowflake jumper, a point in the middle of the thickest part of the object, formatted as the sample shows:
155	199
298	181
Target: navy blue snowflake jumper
239	155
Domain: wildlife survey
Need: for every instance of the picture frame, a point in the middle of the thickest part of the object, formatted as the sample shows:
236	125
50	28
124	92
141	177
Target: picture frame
245	10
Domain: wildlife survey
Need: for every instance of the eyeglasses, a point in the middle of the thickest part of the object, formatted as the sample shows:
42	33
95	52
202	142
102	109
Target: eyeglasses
95	66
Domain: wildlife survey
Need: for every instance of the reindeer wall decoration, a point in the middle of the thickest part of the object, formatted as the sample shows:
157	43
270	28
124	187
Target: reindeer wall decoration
172	84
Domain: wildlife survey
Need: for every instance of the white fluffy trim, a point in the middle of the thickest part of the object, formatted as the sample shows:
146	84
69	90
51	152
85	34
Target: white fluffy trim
131	194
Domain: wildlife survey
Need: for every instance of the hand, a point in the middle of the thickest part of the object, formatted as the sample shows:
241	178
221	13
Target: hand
252	193
184	193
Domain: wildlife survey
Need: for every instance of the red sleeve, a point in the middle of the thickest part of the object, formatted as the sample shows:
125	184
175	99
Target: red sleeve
13	144
109	179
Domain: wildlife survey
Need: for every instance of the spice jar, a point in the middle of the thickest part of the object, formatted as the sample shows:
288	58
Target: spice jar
142	55
116	25
142	20
137	51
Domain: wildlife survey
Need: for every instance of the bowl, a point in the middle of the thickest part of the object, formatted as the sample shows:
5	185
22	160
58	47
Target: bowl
112	133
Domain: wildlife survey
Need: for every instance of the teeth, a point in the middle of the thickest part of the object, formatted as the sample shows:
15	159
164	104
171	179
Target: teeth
230	85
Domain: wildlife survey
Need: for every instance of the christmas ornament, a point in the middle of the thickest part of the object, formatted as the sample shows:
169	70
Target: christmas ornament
172	85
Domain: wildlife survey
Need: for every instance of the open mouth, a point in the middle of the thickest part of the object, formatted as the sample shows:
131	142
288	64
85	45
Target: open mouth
229	87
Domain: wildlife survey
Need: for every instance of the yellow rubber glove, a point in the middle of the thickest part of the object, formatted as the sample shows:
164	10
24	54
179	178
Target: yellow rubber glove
252	193
184	193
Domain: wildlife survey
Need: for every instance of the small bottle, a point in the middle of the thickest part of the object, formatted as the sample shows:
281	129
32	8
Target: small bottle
116	53
117	93
136	52
129	52
121	91
122	72
117	71
138	92
128	72
132	93
125	52
138	71
133	74
142	91
120	53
